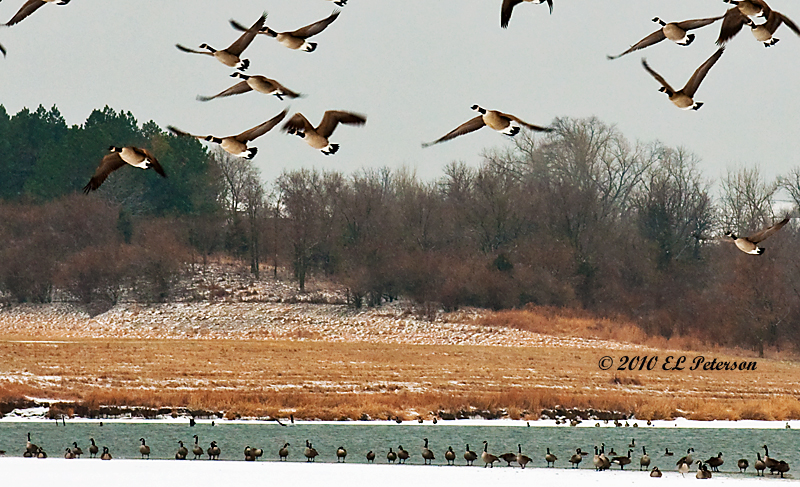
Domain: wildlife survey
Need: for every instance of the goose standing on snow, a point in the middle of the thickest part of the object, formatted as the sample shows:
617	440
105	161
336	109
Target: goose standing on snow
508	458
522	459
501	122
450	456
213	451
687	458
427	454
508	7
402	454
764	32
486	457
237	144
684	98
28	8
258	83
715	462
742	464
644	461
677	32
119	156
317	137
391	456
283	453
370	456
310	452
144	449
341	454
655	473
576	458
760	466
550	458
749	245
296	39
230	56
469	455
182	452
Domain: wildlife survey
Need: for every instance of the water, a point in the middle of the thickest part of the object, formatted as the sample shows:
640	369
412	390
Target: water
123	441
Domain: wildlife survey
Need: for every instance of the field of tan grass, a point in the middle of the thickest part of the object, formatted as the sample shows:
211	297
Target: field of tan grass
333	379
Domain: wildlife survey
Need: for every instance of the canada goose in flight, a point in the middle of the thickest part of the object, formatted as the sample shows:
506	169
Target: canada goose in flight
674	31
197	449
340	3
341	454
764	32
237	144
427	454
76	450
105	455
283	453
715	462
508	6
370	456
450	456
576	458
684	98
737	16
644	461
391	456
522	459
230	55
317	137
749	244
550	458
93	449
28	8
182	452
119	156
213	451
655	472
499	121
296	39
486	457
144	449
470	456
742	464
256	82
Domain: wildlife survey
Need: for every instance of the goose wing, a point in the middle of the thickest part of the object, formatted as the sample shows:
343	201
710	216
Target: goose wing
297	122
525	124
153	161
264	30
245	39
3	50
181	133
786	20
465	128
332	118
262	129
237	89
286	91
697	23
657	76
28	8
505	11
110	163
316	27
732	23
767	232
653	38
186	49
694	82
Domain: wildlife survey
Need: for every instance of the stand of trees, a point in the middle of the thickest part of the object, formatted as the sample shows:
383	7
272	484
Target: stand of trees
578	218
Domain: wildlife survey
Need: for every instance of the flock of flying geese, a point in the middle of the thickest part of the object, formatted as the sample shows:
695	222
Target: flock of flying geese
601	461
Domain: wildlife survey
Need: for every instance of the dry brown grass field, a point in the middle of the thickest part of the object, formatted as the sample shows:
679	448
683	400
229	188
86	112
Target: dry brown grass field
511	367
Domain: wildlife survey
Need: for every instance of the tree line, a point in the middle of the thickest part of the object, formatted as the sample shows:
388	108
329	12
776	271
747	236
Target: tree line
581	218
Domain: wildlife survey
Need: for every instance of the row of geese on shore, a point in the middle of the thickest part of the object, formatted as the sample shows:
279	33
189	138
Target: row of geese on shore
601	460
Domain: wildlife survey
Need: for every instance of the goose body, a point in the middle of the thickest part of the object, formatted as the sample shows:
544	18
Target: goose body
296	39
144	449
501	122
576	458
341	454
702	471
93	449
508	458
28	8
68	454
522	460
749	244
450	456
597	460
283	453
715	462
687	458
237	144
427	454
105	455
742	464
310	452
197	449
182	452
317	137
486	457
29	446
622	460
765	32
257	83
760	466
118	157
683	468
213	451
76	450
508	7
736	17
644	461
677	32
655	472
470	456
371	456
684	98
402	454
391	456
550	458
231	55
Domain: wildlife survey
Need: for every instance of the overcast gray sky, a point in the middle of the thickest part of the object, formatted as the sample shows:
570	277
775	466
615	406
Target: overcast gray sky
414	67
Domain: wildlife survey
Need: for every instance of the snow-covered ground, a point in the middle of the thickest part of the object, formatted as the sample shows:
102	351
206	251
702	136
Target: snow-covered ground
157	473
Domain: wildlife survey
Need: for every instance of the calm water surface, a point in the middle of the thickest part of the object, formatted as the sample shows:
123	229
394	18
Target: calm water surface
122	440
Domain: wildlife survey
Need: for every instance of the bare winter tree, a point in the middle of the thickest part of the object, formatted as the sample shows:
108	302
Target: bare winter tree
747	201
791	184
